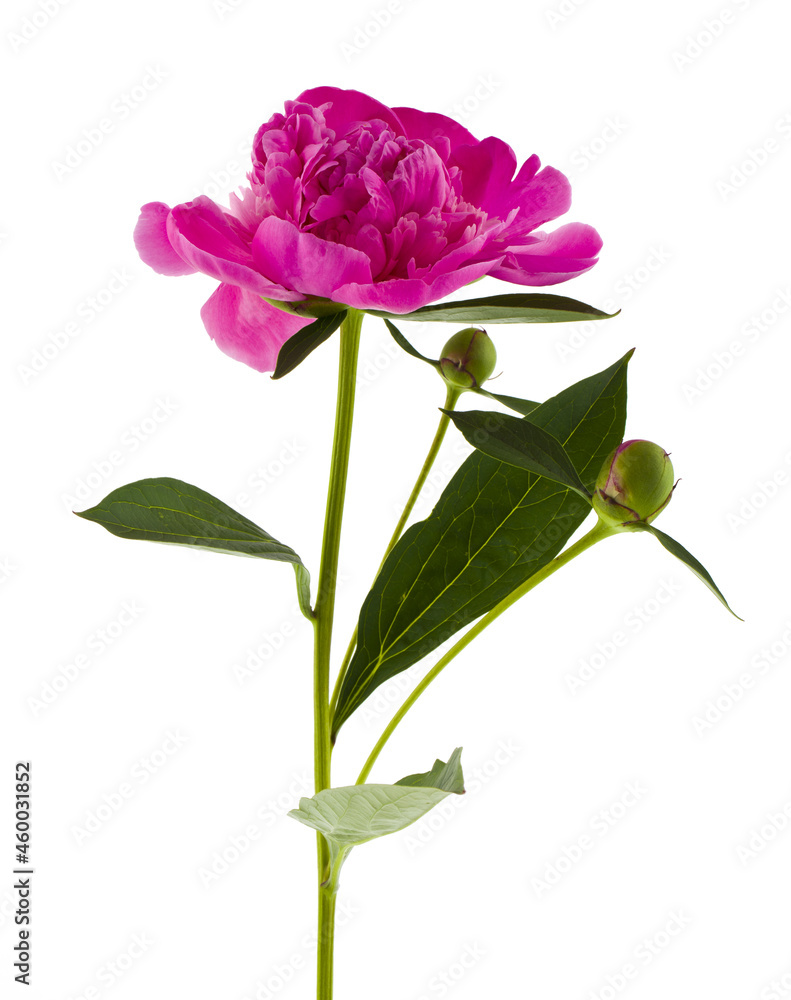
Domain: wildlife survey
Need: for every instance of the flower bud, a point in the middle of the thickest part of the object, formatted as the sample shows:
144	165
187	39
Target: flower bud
468	359
635	483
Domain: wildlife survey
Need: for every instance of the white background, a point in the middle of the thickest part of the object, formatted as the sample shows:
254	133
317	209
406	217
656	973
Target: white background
673	121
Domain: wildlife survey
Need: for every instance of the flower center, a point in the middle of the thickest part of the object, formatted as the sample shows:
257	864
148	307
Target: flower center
389	197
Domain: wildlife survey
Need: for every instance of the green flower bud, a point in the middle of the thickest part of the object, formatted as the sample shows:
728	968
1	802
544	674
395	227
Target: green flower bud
468	359
635	483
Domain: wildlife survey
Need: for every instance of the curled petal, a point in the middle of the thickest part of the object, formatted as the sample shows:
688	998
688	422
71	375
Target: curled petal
247	328
212	243
153	245
553	257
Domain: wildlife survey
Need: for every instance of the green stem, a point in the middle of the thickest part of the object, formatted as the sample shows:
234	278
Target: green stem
596	534
326	949
328	893
451	398
323	616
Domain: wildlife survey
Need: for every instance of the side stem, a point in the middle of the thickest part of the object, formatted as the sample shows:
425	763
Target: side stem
596	534
451	398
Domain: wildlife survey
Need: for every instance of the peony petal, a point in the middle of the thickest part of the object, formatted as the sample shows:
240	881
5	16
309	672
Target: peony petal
368	240
420	183
209	239
432	127
247	328
153	245
379	209
528	170
403	295
349	107
553	257
543	198
486	172
306	263
484	246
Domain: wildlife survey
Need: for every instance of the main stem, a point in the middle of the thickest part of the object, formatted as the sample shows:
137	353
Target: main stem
596	534
323	616
327	896
451	398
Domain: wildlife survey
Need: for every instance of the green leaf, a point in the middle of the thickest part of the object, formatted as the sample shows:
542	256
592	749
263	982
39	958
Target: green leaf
448	777
678	550
523	406
492	528
514	308
404	344
355	814
170	511
305	341
519	443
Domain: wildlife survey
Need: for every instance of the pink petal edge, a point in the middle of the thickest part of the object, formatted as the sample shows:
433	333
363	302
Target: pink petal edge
152	242
247	328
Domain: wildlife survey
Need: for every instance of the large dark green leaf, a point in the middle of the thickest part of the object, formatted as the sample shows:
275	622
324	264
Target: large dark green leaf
519	443
678	550
305	341
530	307
170	511
493	527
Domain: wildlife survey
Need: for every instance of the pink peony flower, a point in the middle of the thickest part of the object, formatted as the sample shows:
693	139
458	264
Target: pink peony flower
365	206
